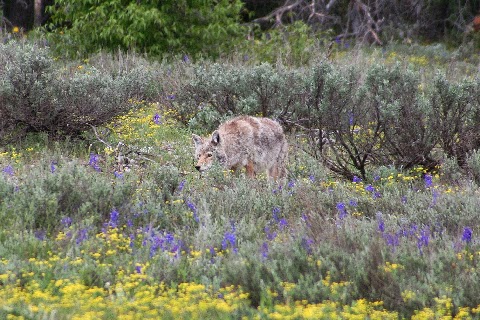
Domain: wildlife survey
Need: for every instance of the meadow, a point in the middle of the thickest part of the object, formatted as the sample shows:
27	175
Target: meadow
113	221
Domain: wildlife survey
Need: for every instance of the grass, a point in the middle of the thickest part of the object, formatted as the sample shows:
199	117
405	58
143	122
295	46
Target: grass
119	225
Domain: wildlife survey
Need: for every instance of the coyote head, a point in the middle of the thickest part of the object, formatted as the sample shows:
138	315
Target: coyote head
205	150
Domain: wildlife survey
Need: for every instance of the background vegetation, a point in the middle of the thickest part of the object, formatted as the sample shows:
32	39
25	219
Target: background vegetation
104	216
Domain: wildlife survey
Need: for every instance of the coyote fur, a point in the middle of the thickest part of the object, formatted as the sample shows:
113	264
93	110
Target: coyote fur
258	144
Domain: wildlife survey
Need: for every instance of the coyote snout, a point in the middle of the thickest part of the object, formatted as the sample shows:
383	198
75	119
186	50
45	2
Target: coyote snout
258	144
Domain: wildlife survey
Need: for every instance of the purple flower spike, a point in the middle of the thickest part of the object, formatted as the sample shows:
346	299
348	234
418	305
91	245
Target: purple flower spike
467	235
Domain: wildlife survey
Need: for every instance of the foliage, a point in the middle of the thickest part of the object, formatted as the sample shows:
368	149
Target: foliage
38	96
124	223
352	117
156	27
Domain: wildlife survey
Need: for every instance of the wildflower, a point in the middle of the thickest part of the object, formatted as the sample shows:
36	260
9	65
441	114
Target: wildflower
434	198
40	234
93	161
138	269
275	212
171	97
356	179
381	223
376	178
186	59
353	203
342	211
229	239
53	166
118	175
181	185
282	223
467	235
8	170
270	235
157	119
423	239
428	180
291	184
264	250
311	178
392	240
351	118
193	208
113	218
369	188
66	221
404	199
307	244
81	236
15	29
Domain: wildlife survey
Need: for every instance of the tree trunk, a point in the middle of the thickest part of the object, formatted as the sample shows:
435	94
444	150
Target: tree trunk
38	8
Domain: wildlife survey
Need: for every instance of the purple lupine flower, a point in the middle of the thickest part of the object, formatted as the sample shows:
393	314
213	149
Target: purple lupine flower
342	211
53	166
66	221
82	235
186	59
193	208
356	179
307	245
311	178
229	240
428	180
381	223
423	239
291	184
118	175
282	223
376	178
275	212
467	235
157	119
403	199
353	203
270	235
138	269
264	250
114	215
8	170
181	185
40	234
434	198
93	161
369	188
392	240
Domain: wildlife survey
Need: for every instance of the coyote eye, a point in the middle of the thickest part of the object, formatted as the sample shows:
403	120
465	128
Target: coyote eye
209	155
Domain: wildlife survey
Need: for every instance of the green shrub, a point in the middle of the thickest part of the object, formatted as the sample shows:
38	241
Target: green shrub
37	96
159	27
49	193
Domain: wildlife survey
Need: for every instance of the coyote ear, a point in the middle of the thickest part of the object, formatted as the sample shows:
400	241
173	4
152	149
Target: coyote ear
197	140
215	138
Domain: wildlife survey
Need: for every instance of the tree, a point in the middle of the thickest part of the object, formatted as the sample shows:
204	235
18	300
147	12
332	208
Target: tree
156	27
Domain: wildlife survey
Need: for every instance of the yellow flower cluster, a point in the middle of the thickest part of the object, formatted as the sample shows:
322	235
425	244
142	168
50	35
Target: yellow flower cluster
130	299
142	122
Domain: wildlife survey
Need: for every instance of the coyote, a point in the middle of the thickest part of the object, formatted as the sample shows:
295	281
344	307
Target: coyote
258	144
